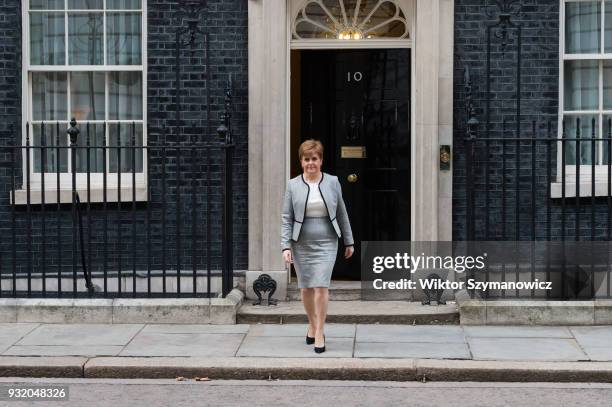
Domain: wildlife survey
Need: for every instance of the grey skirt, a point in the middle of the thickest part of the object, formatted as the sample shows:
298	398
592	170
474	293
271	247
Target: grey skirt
314	254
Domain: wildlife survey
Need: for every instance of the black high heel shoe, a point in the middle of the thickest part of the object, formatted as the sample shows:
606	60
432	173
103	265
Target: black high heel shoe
309	339
321	349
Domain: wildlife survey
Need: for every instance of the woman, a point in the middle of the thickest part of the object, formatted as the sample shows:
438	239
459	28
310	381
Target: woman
314	217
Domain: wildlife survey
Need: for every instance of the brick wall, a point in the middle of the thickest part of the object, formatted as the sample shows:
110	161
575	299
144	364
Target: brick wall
226	23
539	102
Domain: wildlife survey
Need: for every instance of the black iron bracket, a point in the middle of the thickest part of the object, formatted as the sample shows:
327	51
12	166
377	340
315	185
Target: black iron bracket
264	283
433	294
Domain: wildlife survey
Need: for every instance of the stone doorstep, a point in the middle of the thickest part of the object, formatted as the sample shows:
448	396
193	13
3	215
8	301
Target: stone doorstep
372	369
532	312
123	310
350	312
339	290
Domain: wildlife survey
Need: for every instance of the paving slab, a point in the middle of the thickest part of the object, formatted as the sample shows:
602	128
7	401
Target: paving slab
408	333
181	344
597	336
299	330
520	331
64	350
196	328
412	350
11	333
83	334
294	347
534	349
598	353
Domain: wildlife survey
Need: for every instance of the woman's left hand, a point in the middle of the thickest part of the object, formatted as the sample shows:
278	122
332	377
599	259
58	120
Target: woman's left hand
348	251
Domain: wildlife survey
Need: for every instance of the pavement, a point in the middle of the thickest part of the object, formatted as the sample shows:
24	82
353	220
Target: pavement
354	352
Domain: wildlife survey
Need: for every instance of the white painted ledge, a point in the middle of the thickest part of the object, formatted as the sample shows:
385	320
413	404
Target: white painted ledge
601	189
65	195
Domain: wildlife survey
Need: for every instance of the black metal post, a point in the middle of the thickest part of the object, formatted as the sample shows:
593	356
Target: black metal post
73	132
77	217
28	212
470	141
225	132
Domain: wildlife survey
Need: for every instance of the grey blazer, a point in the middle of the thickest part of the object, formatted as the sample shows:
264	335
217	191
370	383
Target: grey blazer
294	209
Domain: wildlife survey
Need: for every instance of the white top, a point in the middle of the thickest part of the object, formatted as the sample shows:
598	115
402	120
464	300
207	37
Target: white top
315	207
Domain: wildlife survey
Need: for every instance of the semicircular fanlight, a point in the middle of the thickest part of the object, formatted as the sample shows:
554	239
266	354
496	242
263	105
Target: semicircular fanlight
350	20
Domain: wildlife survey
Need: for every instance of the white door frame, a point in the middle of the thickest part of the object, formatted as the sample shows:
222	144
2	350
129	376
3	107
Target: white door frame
269	121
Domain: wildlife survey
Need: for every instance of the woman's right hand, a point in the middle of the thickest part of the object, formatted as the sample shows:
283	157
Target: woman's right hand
287	256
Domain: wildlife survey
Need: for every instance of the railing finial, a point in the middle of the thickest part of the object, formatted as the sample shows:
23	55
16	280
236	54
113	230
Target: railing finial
73	131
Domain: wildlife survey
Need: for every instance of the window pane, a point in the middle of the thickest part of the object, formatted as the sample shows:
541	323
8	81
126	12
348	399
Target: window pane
95	132
322	27
127	130
123	36
123	4
51	154
383	13
85	39
582	27
586	132
47	45
85	4
49	100
125	95
607	83
87	95
306	30
46	4
608	27
581	85
607	133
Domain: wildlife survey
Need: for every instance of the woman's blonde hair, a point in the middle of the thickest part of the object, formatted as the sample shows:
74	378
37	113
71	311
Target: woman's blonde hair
311	145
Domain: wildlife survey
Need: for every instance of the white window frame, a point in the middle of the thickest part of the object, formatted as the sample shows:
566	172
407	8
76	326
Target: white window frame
601	170
96	179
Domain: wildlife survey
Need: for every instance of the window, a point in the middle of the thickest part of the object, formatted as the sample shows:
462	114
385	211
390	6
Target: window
586	84
347	20
85	59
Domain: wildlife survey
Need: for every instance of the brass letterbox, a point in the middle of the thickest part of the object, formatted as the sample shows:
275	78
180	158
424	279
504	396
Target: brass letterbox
353	152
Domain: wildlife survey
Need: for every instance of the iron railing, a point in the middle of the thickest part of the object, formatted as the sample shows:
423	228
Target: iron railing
144	221
552	190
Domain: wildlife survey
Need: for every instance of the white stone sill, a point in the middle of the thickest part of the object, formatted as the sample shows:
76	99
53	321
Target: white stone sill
601	189
96	195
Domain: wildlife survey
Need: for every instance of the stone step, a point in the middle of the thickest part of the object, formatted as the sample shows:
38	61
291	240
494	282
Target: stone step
351	312
338	291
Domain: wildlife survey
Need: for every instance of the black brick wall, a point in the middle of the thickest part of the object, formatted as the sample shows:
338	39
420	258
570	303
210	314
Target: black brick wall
226	22
539	102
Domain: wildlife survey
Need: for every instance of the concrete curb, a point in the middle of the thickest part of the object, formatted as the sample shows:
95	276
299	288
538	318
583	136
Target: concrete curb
371	369
374	369
509	371
122	310
253	368
53	366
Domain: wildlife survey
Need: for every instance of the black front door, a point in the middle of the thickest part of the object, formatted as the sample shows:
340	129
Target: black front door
357	102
